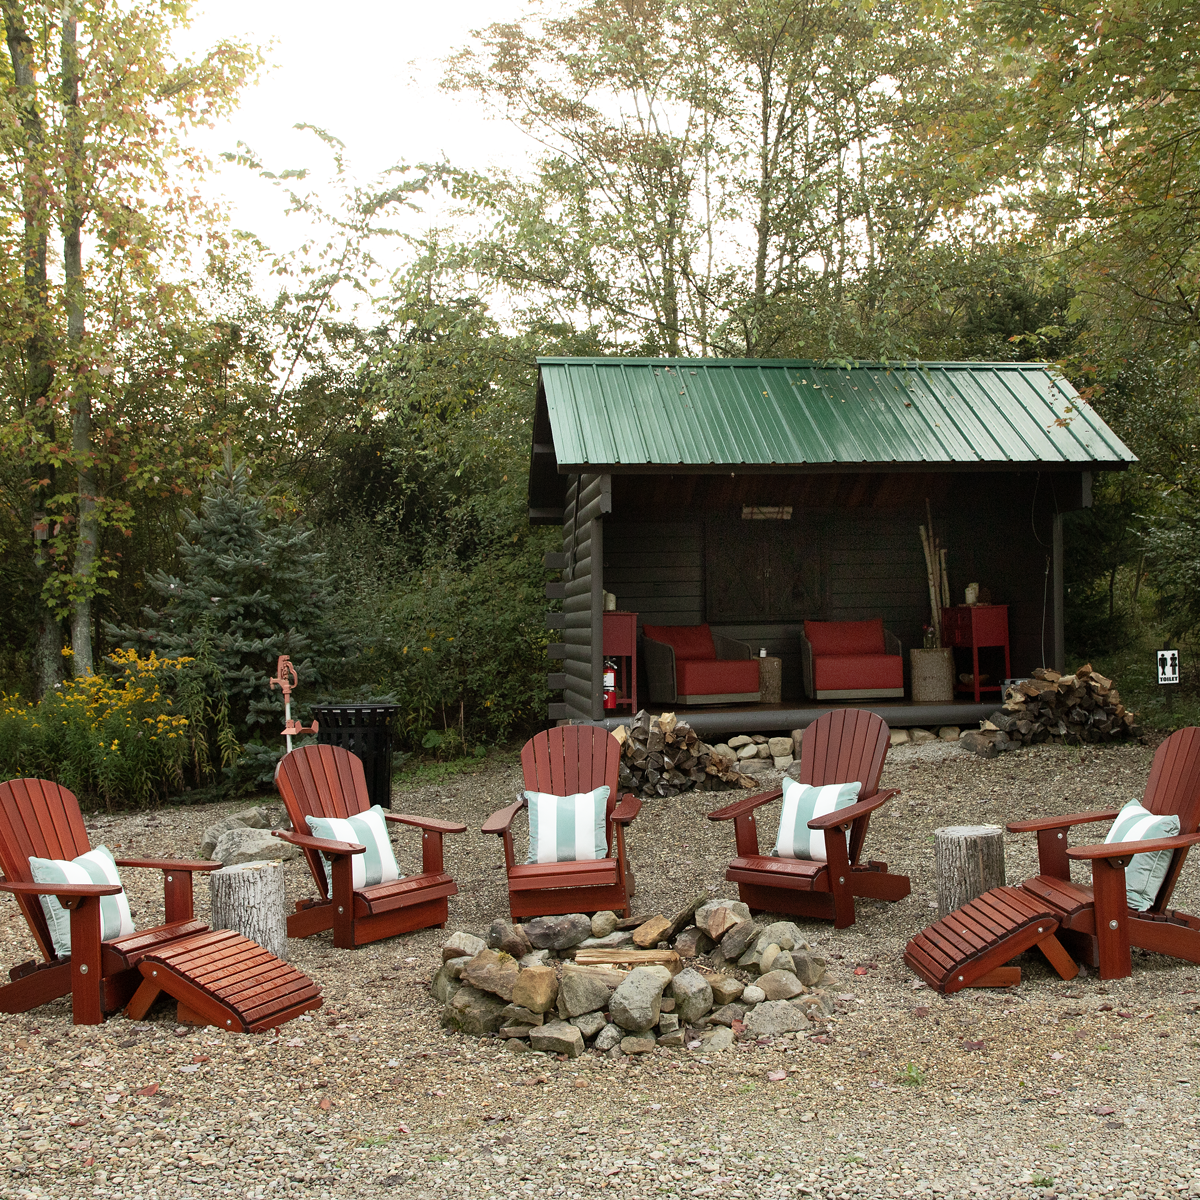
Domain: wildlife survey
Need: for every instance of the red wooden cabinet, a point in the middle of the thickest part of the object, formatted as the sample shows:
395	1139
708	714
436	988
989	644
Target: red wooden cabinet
620	643
972	626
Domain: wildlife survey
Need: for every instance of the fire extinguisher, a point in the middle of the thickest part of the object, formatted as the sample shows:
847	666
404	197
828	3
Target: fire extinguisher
610	684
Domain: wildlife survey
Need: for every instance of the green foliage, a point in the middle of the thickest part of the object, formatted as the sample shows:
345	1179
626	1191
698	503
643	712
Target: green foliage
250	589
910	1075
125	738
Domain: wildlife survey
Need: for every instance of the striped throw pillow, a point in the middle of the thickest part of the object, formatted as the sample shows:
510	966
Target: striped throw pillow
801	803
567	828
1146	872
96	866
368	829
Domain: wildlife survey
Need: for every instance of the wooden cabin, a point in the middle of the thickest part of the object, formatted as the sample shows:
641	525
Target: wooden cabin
752	495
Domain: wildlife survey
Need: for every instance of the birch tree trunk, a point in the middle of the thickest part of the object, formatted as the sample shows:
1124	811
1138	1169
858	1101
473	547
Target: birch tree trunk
249	898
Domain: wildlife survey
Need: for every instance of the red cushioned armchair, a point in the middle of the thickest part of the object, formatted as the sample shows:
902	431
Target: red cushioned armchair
851	660
689	664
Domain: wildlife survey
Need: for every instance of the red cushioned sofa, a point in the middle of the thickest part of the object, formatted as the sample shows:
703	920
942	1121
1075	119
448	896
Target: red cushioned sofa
689	664
851	660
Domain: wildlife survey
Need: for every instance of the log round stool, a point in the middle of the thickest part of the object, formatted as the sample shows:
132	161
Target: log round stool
970	860
249	898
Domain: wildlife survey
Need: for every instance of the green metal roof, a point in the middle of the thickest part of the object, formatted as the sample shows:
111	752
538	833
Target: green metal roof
634	412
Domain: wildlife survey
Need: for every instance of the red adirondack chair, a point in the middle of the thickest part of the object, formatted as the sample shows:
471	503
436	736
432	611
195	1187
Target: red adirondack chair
1095	923
562	762
842	746
218	978
327	781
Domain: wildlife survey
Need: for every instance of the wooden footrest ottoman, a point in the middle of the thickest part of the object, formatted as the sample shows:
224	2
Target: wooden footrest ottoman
968	947
222	978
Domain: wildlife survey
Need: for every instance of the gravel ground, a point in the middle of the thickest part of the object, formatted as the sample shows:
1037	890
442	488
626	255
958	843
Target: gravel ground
1080	1089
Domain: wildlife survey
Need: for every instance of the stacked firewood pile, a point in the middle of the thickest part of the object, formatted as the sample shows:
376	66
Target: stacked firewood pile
663	756
1083	707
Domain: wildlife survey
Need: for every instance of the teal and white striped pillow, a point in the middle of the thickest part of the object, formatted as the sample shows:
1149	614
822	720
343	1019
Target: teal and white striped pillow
801	803
567	828
1146	872
368	829
96	866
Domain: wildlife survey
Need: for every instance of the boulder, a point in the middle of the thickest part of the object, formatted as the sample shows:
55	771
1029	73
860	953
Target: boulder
746	753
536	988
774	1017
250	818
243	844
809	967
667	1023
920	736
589	1024
797	741
781	762
492	971
784	934
535	958
603	923
557	1037
609	1037
780	985
899	737
581	990
717	917
683	917
767	959
780	745
725	989
557	933
725	1015
692	942
473	1012
509	938
610	941
734	943
753	994
785	962
444	985
462	945
514	1014
949	733
693	995
455	966
647	935
739	740
635	1005
674	1038
718	1038
637	1045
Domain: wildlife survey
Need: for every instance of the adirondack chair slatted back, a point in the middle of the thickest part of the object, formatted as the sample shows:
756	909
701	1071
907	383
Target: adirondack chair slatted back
38	817
570	759
321	781
844	746
1174	788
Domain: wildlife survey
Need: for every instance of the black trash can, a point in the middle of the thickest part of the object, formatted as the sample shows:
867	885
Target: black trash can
365	730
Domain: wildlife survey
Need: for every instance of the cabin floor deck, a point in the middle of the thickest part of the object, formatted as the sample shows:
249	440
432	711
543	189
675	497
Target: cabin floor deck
760	718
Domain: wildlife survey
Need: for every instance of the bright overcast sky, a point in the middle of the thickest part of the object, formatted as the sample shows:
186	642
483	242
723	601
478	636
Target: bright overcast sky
366	71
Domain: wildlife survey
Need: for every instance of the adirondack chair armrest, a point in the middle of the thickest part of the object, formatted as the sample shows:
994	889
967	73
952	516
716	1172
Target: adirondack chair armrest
741	808
1063	822
846	816
321	845
500	820
170	864
433	824
627	810
67	894
1128	849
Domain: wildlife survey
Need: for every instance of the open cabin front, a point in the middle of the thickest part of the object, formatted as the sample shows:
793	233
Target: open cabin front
755	548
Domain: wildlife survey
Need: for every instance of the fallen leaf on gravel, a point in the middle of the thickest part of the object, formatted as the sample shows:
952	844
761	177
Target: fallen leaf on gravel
1057	1055
776	1076
295	1042
324	1104
920	1011
200	1058
611	1170
860	970
918	984
975	1046
189	1070
112	1097
806	1117
822	1039
403	1128
1114	1124
1105	1008
1127	1015
1106	1111
81	1121
148	1090
581	1083
875	1083
738	1026
1051	1091
489	1117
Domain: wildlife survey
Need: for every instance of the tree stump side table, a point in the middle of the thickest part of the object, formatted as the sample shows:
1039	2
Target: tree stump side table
249	899
770	680
970	860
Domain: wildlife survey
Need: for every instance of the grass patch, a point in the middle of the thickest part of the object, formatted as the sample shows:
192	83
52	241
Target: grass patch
910	1075
416	772
1041	1181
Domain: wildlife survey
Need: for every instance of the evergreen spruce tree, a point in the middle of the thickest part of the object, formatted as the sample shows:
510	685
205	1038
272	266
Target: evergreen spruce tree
250	590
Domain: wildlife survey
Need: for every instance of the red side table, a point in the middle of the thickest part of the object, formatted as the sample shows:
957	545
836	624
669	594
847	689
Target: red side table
620	642
974	626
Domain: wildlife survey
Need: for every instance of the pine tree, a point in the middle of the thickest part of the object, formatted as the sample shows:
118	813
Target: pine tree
250	590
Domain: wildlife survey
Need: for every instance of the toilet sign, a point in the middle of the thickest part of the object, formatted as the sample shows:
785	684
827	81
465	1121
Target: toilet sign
1168	666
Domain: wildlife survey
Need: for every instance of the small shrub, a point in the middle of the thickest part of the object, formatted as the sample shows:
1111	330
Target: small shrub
910	1075
120	738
